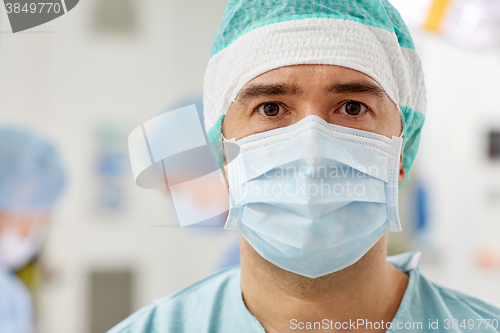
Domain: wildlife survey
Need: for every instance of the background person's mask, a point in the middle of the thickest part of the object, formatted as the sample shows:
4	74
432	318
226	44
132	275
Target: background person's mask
16	250
313	198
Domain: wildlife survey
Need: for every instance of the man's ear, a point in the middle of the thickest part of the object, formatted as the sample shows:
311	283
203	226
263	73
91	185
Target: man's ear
402	172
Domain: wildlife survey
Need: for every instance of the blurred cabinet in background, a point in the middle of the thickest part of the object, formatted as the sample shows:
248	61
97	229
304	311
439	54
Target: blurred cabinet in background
111	298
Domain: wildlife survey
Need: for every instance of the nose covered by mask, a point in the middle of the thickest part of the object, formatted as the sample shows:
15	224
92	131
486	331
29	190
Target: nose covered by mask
313	198
16	250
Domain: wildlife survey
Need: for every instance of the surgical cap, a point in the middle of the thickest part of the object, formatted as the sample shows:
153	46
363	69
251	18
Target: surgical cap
31	173
365	35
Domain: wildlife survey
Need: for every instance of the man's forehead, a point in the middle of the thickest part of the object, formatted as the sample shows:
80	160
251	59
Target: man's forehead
295	80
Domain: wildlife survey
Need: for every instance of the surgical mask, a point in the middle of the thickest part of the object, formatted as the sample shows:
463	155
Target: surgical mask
16	250
313	198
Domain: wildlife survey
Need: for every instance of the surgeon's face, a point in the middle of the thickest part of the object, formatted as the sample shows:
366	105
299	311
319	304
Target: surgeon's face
339	95
22	224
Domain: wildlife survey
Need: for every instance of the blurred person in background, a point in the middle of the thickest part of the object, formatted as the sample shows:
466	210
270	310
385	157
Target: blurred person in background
31	179
315	85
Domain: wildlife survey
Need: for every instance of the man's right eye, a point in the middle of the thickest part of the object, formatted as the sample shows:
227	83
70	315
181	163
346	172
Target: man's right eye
270	109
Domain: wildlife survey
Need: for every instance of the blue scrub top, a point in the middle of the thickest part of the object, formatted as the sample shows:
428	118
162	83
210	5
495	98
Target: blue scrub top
215	304
15	305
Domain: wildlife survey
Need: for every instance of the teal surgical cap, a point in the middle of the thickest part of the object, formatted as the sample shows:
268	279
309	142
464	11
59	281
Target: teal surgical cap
31	173
369	36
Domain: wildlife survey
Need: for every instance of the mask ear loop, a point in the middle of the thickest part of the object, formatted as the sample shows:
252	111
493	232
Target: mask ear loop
402	136
224	160
403	123
403	131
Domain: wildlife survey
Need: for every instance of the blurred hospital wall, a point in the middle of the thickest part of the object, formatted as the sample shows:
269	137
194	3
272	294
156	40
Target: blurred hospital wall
85	82
459	166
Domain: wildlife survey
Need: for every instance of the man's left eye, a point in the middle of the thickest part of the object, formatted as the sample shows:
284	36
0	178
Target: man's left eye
353	108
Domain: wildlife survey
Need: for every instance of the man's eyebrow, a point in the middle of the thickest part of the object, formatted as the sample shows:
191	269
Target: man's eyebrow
356	87
258	90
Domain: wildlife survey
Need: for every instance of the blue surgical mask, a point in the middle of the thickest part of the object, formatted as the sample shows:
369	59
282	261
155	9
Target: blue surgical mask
313	197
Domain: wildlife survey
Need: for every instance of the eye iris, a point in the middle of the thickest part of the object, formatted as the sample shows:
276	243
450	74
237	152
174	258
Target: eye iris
353	108
271	109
